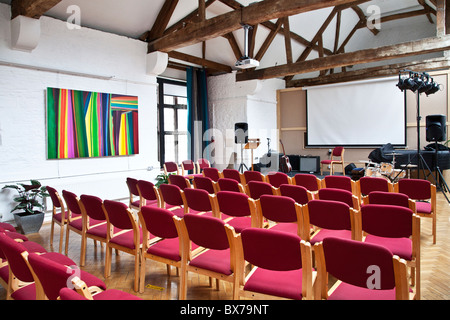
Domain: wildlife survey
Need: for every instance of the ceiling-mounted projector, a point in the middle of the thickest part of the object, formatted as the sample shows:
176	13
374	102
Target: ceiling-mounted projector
246	62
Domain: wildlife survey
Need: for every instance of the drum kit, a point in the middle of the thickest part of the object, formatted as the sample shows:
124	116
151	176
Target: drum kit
384	170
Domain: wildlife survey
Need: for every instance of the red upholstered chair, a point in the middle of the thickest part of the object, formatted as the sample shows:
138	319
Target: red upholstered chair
253	176
171	168
390	198
276	179
179	181
205	183
160	240
337	157
255	189
339	195
285	273
339	182
212	173
171	198
148	194
134	193
228	184
364	271
197	201
300	194
218	261
202	164
236	210
366	185
307	180
233	174
59	216
284	211
424	194
189	165
11	232
74	220
7	227
94	223
128	239
396	228
52	277
328	218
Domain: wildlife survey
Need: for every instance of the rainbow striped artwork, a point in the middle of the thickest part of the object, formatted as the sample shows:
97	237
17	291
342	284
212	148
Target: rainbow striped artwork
83	124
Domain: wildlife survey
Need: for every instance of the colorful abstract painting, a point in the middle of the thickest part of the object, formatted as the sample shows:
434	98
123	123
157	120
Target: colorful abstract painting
83	124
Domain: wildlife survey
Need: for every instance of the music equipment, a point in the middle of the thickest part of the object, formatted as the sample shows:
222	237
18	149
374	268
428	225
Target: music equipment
436	127
309	164
285	165
241	132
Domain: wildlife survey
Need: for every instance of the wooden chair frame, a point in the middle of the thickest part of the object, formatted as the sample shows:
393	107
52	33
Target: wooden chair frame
334	162
61	223
69	227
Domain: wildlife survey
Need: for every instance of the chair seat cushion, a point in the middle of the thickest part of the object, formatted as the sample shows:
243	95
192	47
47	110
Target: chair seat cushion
178	211
347	291
238	223
58	216
423	207
166	248
401	247
151	203
100	230
4	273
25	293
325	161
136	203
323	233
214	260
126	239
286	284
289	227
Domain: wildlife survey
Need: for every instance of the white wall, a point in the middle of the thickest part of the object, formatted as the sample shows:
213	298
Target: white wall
82	59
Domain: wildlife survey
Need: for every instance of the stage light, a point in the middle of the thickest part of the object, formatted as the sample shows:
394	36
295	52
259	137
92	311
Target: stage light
417	82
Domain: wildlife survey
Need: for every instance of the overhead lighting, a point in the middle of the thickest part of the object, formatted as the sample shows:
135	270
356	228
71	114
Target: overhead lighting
416	81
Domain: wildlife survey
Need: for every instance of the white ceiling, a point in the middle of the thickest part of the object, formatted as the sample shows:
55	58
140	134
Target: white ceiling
132	18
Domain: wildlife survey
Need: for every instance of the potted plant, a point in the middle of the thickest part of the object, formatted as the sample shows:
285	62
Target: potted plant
30	204
162	178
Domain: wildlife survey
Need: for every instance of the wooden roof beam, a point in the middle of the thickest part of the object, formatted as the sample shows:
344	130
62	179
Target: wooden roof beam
31	8
423	46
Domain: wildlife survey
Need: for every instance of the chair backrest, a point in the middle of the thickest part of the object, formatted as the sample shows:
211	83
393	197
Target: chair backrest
207	232
369	184
54	196
278	208
179	180
204	183
171	194
188	165
258	188
212	173
232	174
71	201
132	186
329	214
93	206
350	260
336	195
299	193
416	189
278	178
338	182
158	222
118	214
338	152
253	176
233	203
197	199
170	167
202	164
262	249
147	190
52	276
307	180
228	184
13	250
390	198
387	221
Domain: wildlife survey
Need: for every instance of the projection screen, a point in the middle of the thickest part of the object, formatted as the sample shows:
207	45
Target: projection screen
359	114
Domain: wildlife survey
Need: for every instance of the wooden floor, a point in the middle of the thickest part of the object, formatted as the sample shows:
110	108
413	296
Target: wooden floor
435	266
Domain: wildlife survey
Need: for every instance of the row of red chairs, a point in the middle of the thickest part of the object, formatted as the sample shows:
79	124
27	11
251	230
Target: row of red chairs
29	272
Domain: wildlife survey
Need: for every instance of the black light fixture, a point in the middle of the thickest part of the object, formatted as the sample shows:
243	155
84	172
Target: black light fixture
416	81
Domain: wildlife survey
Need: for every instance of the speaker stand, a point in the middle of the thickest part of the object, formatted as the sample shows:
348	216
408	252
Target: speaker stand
242	165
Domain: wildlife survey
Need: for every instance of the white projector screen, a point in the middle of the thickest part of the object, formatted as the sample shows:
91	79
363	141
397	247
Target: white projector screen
360	114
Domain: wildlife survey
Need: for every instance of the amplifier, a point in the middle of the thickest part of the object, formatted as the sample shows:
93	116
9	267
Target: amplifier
309	164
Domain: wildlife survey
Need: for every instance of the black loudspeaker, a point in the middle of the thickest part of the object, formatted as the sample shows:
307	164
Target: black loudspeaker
241	132
436	127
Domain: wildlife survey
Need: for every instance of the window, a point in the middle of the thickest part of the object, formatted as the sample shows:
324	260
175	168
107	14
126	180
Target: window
172	124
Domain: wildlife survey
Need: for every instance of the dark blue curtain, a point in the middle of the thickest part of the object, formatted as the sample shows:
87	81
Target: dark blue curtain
197	96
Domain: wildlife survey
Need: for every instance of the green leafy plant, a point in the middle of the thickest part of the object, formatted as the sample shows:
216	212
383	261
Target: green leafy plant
162	179
31	196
